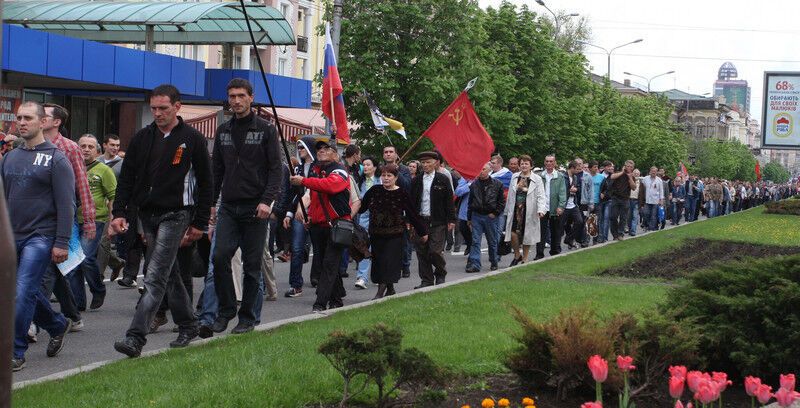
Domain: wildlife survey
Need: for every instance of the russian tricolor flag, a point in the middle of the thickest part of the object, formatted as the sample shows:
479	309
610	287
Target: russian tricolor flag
332	99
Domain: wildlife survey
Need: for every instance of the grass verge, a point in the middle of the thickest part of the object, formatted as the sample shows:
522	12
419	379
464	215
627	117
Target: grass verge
465	327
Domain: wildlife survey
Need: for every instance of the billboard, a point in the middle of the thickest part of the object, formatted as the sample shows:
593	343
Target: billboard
781	111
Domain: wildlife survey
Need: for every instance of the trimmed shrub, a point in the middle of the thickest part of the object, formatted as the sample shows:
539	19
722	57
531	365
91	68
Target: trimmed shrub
747	315
787	207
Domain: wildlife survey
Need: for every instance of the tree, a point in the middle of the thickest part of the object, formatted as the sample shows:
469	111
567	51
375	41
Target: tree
724	159
776	173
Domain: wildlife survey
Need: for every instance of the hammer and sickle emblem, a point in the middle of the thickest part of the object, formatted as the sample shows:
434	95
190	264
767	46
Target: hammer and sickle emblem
457	114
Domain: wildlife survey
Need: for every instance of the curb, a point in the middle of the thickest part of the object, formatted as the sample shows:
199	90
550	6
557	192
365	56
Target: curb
314	316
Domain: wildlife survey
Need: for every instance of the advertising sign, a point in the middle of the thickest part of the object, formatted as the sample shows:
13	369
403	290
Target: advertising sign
10	98
781	111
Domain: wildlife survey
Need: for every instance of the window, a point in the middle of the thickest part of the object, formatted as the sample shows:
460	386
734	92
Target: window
285	10
282	63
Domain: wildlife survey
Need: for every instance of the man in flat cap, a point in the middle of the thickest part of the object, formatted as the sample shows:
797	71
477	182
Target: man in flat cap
432	194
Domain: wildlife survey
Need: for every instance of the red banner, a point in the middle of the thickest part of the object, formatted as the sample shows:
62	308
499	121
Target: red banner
461	138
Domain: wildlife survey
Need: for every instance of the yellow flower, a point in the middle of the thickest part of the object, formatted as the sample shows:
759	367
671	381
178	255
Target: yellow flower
465	406
527	401
503	403
487	403
530	406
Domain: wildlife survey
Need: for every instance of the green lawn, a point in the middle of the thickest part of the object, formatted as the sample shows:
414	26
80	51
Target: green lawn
466	327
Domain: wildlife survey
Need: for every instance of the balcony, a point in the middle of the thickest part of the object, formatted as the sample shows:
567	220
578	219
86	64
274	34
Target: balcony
302	43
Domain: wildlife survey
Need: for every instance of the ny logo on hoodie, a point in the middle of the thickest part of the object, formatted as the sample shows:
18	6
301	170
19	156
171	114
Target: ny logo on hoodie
42	159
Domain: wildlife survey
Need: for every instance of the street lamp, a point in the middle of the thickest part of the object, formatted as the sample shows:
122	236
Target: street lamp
608	52
649	80
555	17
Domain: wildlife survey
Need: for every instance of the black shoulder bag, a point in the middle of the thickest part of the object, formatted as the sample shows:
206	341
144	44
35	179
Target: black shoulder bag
341	229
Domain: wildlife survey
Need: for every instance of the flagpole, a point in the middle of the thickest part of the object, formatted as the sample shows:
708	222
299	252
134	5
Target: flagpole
333	113
411	149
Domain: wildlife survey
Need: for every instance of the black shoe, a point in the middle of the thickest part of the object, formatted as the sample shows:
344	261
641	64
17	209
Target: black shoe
294	292
466	251
184	337
335	304
220	324
158	321
17	364
314	283
129	346
423	285
97	301
389	290
456	249
406	273
205	331
439	280
116	271
472	269
449	247
344	274
515	262
126	283
538	257
57	342
317	309
141	290
493	267
243	327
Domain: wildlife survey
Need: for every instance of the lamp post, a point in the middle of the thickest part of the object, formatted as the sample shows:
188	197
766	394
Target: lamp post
555	17
649	80
608	52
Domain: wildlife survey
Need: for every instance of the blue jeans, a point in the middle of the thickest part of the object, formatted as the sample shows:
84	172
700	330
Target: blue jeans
365	265
691	207
88	270
633	216
33	258
483	224
604	213
299	239
651	212
501	226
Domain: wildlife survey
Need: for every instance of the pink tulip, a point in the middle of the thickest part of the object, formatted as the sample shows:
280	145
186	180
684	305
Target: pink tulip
592	405
677	371
707	391
689	405
693	379
679	404
676	385
785	397
599	368
721	379
625	363
787	382
764	393
751	385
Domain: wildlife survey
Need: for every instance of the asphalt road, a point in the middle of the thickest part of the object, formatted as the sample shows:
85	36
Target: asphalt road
109	323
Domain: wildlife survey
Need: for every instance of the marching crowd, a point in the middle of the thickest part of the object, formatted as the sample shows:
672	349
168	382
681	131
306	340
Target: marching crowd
170	210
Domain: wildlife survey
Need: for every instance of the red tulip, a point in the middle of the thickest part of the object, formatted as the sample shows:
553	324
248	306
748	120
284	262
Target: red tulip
625	363
707	391
592	405
598	367
764	393
785	397
676	385
787	382
721	379
677	371
693	379
689	405
679	404
751	385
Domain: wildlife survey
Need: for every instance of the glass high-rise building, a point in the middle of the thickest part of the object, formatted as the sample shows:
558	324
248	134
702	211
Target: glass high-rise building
735	91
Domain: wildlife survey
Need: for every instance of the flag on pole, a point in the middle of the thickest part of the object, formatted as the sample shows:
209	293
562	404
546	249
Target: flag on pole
381	121
684	173
758	171
461	138
332	99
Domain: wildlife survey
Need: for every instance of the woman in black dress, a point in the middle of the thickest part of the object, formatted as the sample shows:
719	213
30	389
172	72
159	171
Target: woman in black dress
387	204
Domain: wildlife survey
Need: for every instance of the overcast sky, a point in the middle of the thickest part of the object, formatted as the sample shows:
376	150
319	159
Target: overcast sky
692	38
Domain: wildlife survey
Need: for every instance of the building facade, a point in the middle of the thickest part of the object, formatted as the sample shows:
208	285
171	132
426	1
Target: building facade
735	91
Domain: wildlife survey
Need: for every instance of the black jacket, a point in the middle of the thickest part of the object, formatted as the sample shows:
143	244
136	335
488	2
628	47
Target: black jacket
184	174
486	197
442	208
252	173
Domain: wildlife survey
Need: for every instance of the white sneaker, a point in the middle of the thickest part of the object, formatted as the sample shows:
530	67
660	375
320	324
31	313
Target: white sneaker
361	283
76	326
32	332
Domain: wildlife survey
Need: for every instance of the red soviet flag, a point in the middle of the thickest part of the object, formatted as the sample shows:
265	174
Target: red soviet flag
460	137
758	171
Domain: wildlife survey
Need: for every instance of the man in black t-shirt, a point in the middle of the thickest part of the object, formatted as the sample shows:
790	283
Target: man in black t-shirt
621	184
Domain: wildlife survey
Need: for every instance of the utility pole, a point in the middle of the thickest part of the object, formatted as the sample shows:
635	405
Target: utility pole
337	27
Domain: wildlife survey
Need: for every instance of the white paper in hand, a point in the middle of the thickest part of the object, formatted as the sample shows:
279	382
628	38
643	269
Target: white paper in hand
75	253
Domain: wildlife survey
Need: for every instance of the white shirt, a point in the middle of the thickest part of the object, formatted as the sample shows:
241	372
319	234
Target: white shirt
425	207
654	187
571	197
547	178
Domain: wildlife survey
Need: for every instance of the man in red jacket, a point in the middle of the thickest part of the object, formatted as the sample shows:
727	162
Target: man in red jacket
328	185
